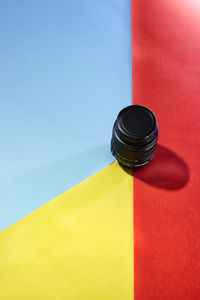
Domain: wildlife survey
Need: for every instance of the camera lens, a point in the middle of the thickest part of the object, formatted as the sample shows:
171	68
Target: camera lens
134	137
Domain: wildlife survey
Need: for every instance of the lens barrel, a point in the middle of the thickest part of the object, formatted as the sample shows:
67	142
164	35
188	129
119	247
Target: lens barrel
134	136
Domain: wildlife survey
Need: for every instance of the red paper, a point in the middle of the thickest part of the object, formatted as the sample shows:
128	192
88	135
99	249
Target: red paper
166	78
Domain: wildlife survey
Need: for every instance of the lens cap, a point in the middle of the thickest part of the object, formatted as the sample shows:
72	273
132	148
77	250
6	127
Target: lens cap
134	137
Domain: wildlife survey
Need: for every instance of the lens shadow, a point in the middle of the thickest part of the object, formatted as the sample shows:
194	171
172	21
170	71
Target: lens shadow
166	171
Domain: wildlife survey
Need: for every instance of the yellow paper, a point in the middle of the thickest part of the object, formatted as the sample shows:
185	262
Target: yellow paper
78	246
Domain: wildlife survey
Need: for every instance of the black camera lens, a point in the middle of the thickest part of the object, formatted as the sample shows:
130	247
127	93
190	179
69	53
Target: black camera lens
134	137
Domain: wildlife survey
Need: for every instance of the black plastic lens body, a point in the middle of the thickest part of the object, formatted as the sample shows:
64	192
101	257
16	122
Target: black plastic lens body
135	135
